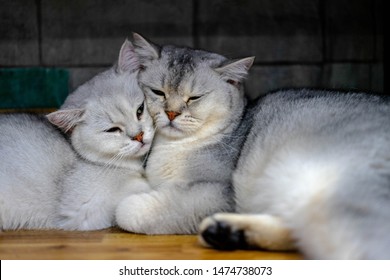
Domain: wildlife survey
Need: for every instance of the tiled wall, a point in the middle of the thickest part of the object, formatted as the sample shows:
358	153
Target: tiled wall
297	43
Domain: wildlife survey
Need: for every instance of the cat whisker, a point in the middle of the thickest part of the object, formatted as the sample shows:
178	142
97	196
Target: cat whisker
110	165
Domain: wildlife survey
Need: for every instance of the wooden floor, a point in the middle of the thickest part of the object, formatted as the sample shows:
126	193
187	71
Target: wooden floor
116	244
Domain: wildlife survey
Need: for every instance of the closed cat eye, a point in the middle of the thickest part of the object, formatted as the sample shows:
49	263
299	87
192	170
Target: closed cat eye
158	92
193	98
114	129
140	111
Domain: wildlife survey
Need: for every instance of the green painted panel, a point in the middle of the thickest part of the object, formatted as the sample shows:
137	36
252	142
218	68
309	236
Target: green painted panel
22	88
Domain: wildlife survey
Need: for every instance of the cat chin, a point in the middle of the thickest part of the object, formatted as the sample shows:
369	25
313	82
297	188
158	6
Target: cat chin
138	152
144	149
172	132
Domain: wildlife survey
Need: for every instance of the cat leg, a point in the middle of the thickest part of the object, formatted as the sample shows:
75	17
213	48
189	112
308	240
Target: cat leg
171	209
241	231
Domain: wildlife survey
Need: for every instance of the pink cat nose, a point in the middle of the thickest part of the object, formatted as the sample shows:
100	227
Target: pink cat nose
139	137
172	115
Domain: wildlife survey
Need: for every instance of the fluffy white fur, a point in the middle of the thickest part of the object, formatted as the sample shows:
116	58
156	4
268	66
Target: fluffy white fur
314	174
50	181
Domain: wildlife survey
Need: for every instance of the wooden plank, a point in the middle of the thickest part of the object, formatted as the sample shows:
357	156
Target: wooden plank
116	245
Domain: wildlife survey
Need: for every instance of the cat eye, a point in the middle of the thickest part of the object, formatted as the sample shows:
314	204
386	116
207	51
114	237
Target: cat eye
113	129
140	111
158	92
233	82
193	98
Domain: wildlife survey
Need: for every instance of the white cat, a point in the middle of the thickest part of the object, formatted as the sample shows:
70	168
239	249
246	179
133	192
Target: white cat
313	174
196	100
50	181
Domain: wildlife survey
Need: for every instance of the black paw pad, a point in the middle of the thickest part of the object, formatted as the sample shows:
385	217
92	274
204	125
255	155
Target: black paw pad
222	237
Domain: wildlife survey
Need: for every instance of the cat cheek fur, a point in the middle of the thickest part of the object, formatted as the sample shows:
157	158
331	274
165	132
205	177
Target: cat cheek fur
154	106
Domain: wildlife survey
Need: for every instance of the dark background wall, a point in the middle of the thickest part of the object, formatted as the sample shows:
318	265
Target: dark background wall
297	43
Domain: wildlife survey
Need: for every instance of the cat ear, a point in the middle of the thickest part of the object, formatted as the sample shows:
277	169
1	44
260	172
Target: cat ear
145	49
66	120
235	72
128	60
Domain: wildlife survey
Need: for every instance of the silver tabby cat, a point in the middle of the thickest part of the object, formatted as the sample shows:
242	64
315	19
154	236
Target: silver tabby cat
314	174
313	168
48	182
196	101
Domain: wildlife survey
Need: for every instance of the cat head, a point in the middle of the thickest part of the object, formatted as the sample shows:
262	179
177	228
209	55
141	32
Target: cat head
107	116
190	93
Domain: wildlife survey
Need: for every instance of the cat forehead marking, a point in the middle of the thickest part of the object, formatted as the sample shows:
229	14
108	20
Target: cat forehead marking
182	62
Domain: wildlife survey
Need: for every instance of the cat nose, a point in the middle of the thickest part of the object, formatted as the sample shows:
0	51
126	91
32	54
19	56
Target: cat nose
172	115
139	137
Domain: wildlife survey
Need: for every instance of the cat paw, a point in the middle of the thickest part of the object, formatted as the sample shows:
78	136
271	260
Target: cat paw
222	235
226	231
130	211
140	213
